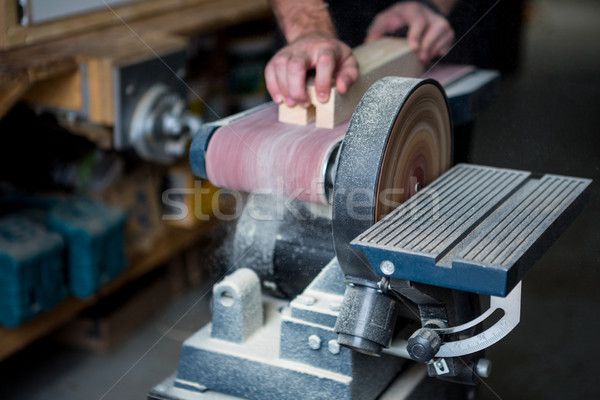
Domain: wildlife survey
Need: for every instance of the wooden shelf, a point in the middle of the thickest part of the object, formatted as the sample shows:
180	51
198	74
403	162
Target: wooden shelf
172	242
120	43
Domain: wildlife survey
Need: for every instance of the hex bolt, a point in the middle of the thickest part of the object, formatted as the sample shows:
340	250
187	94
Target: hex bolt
483	367
387	267
314	342
335	306
333	346
307	300
417	187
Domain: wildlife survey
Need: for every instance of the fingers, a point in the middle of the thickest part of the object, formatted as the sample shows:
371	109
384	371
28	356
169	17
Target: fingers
347	74
429	34
296	80
416	28
285	77
443	45
286	72
438	32
325	68
272	85
386	22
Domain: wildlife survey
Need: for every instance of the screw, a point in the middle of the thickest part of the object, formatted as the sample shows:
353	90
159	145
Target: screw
351	284
314	342
130	89
333	346
387	267
441	368
483	367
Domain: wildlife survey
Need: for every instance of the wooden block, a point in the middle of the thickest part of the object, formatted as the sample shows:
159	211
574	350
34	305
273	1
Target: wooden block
385	57
296	115
101	98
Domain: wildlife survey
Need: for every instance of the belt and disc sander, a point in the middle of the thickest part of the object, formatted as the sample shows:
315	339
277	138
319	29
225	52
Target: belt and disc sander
399	140
258	154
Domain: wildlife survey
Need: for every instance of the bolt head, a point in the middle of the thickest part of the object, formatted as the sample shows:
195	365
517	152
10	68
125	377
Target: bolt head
387	267
335	306
483	368
334	347
314	342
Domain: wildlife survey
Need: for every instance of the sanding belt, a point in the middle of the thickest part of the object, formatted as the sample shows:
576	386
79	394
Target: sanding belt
261	155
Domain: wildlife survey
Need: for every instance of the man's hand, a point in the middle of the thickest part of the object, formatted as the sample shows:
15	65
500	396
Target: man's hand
287	71
429	33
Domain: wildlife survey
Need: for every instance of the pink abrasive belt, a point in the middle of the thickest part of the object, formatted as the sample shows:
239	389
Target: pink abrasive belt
259	154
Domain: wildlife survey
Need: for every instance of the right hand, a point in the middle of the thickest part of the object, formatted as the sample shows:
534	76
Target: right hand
429	34
332	60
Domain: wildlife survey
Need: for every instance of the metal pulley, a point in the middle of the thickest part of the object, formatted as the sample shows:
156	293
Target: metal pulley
162	126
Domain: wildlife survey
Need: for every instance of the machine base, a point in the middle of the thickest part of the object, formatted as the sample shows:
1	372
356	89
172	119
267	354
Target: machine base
411	384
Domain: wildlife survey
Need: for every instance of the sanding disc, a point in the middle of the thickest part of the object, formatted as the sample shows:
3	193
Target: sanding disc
399	140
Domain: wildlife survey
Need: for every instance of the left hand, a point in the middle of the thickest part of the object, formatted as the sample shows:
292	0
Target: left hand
429	33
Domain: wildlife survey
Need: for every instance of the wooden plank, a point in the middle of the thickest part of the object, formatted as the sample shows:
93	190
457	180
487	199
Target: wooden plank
172	242
100	86
13	34
385	57
8	22
63	92
143	35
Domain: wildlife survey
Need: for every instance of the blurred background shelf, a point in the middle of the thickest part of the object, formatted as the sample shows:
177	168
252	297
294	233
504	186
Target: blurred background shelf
172	242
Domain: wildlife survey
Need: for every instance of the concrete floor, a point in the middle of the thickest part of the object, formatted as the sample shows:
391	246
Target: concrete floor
546	119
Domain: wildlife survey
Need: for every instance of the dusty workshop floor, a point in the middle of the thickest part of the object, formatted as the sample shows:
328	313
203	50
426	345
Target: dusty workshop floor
546	119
